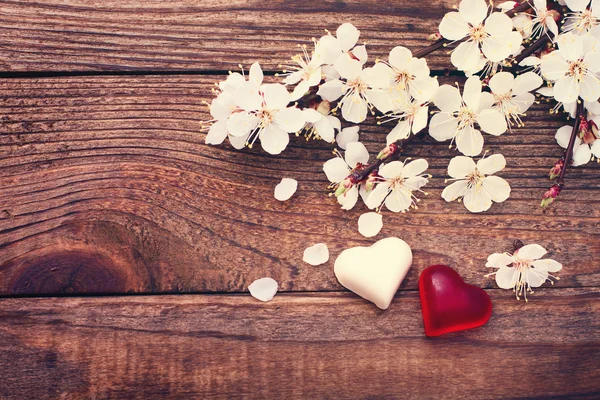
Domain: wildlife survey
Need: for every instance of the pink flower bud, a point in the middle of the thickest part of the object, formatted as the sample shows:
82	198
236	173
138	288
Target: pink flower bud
344	186
387	152
550	195
371	181
556	169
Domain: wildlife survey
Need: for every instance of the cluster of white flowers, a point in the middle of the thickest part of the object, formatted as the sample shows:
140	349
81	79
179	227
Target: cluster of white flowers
333	83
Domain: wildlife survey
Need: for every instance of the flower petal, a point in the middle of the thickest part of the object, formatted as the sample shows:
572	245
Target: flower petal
398	201
492	164
273	139
526	82
369	224
581	155
472	92
414	168
356	153
400	57
505	278
332	90
547	265
378	76
336	169
477	199
570	46
498	188
377	195
473	11
554	67
530	252
400	131
354	109
469	141
316	255
255	75
460	167
498	23
263	289
241	123
348	67
466	55
325	130
347	135
285	189
590	88
563	135
498	260
502	82
420	119
348	35
536	278
348	199
455	190
447	98
291	119
443	126
492	121
217	133
392	170
453	26
577	5
276	95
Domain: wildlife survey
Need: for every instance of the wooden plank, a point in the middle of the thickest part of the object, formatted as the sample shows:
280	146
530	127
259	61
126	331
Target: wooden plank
175	35
108	187
297	346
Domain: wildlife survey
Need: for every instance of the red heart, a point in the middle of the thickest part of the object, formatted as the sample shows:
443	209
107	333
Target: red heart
449	304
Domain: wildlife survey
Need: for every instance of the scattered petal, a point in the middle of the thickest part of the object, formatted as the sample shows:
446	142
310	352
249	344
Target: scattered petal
263	289
286	189
316	255
369	224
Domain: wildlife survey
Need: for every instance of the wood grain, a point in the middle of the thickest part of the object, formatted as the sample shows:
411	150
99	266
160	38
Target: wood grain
198	35
297	346
108	187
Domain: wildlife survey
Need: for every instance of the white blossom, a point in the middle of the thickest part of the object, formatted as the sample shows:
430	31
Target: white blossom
321	126
583	20
337	170
396	185
573	68
264	114
358	90
474	183
458	116
512	95
329	48
492	35
540	23
523	270
585	148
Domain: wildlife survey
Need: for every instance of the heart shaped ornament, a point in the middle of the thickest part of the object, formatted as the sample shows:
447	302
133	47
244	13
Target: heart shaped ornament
376	272
449	304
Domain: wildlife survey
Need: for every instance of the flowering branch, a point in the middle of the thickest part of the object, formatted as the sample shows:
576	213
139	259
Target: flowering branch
549	197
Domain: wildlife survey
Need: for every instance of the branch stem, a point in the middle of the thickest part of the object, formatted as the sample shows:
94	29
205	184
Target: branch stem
569	151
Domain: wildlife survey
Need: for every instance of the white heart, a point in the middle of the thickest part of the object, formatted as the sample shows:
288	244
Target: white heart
374	273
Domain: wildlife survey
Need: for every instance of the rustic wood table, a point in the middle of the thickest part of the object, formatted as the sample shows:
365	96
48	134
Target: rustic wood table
127	244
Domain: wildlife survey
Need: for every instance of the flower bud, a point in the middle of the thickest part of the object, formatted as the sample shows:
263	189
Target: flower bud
434	36
556	169
550	195
344	186
371	181
387	151
588	131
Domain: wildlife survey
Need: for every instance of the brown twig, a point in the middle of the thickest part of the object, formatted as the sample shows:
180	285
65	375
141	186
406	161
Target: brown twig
569	151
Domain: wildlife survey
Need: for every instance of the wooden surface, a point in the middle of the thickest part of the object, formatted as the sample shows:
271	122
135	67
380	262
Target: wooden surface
108	188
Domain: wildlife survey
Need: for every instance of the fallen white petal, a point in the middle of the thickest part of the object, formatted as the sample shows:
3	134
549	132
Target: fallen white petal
316	255
263	289
369	224
285	189
347	135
